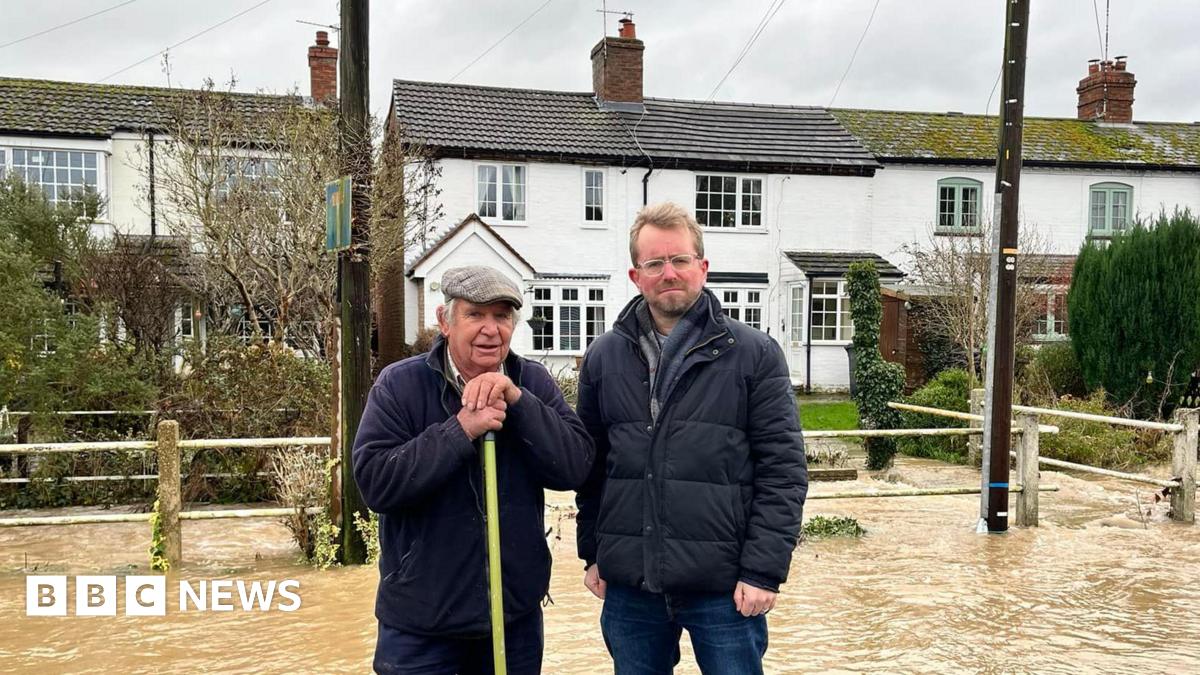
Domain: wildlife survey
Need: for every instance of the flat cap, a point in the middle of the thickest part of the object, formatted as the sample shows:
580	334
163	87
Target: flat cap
481	285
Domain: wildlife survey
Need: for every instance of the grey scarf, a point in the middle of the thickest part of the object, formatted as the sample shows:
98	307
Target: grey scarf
666	362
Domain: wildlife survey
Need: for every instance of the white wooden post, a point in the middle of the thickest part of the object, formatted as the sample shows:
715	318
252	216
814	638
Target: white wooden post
975	443
1027	469
170	490
1183	466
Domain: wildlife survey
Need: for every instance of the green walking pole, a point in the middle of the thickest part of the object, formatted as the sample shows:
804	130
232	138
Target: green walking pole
495	589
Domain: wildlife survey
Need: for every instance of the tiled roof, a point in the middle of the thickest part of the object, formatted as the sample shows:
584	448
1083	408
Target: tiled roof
44	107
476	119
896	135
836	263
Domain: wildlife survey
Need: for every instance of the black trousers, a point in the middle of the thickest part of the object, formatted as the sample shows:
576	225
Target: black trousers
410	654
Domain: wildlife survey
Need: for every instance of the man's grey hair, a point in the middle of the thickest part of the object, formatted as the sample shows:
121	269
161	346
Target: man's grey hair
450	314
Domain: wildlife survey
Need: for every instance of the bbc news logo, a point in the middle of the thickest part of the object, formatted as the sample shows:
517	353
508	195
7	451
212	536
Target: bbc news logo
147	595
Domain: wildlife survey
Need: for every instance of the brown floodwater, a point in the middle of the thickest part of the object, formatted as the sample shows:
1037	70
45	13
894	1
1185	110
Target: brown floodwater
1097	588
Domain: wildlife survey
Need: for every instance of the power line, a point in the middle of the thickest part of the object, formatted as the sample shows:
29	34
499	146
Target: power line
852	56
183	41
988	107
1099	38
772	10
497	42
64	25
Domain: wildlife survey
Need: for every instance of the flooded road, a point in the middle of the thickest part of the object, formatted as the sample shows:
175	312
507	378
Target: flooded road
1095	589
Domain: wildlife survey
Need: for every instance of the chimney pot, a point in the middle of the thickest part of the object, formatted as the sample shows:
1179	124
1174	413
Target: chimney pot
322	70
1106	93
617	66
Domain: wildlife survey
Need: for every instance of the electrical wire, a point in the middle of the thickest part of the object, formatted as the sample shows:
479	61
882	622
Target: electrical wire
183	41
772	10
855	54
497	42
64	25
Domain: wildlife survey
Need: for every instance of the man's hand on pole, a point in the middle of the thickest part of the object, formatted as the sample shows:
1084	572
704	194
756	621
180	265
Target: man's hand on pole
486	389
478	422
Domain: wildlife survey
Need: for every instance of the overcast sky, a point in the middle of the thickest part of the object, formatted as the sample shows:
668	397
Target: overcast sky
934	55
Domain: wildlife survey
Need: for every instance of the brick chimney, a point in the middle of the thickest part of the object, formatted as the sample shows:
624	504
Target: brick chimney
617	66
1106	94
322	70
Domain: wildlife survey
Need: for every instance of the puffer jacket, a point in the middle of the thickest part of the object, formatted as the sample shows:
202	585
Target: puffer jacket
711	494
417	469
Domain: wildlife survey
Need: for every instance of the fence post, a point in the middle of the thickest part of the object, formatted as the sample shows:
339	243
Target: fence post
169	490
1027	469
975	442
1183	466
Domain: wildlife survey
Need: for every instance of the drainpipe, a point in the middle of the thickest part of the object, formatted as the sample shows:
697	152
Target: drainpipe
646	184
153	211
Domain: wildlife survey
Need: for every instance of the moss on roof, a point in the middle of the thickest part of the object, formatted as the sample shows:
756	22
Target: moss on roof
79	109
893	134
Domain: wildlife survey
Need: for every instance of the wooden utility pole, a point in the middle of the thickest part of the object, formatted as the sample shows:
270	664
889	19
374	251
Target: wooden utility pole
354	270
1002	301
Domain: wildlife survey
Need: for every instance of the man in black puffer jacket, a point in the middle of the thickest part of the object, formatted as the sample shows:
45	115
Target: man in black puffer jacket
692	510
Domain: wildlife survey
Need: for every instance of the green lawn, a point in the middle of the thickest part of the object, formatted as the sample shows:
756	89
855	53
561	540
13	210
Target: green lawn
828	416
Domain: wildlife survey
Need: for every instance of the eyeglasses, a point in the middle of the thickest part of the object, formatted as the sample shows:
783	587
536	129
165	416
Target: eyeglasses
655	268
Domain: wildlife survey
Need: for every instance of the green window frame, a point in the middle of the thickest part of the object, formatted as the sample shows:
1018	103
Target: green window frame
1109	207
959	205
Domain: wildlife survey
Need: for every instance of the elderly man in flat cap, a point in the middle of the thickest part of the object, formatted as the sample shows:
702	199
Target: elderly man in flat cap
417	464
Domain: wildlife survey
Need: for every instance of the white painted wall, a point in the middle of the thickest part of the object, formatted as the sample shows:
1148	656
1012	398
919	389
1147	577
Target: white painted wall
801	212
120	181
1054	201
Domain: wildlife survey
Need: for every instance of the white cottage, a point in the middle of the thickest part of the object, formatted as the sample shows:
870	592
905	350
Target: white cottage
545	184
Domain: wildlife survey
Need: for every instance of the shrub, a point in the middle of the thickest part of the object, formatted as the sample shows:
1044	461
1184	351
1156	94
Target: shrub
949	390
568	381
1097	443
877	381
1135	312
301	478
820	527
1054	372
424	341
238	391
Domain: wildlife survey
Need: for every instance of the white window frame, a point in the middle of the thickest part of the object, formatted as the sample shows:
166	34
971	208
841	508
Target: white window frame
252	169
1045	295
101	155
737	308
498	216
604	215
585	298
739	212
843	326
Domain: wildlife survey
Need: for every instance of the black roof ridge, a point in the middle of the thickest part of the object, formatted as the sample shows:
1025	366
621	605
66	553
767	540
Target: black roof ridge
589	94
779	106
450	85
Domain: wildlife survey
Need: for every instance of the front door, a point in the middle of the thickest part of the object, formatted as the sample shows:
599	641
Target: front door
795	318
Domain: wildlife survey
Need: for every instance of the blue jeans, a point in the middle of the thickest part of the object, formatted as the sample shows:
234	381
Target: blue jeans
399	652
642	630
